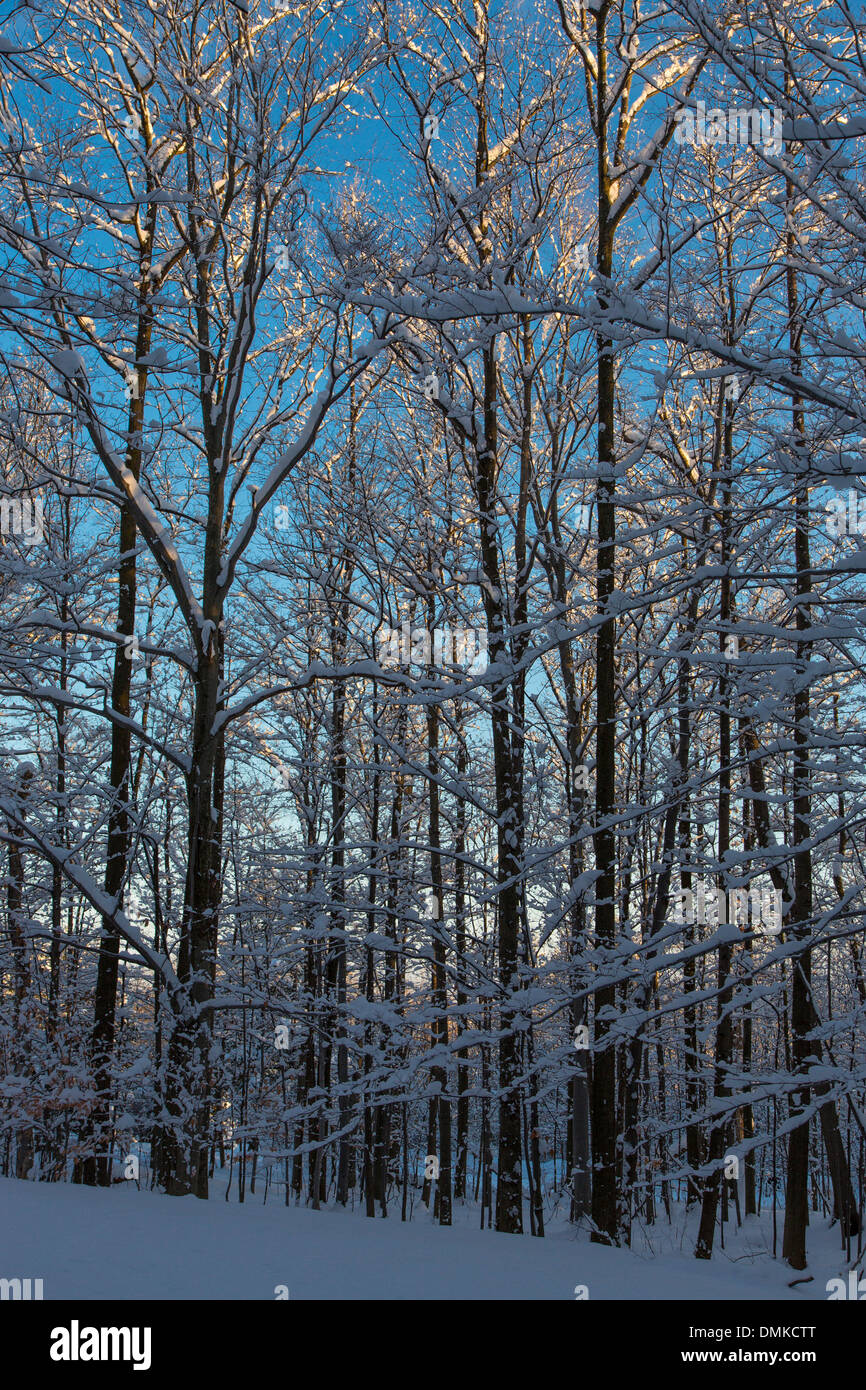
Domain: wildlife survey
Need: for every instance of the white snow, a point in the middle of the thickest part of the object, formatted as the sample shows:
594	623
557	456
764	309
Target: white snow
119	1242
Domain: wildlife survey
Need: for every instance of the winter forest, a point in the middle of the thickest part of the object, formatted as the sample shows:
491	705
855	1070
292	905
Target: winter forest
432	603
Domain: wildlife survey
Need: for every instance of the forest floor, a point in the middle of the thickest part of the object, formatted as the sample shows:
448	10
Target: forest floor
122	1243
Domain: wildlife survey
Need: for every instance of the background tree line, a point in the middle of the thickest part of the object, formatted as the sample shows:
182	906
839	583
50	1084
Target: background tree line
317	321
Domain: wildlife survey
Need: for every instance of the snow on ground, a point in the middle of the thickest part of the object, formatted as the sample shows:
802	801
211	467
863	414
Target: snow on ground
119	1243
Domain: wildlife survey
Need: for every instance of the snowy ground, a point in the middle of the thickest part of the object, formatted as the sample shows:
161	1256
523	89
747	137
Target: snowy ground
124	1244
